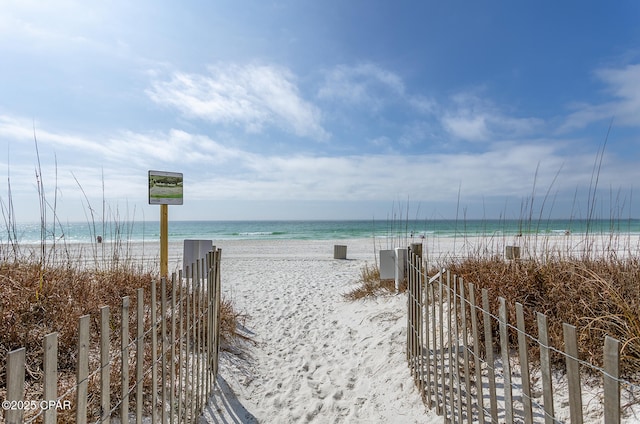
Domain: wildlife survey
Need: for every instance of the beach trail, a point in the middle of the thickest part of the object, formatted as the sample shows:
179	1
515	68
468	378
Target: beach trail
316	357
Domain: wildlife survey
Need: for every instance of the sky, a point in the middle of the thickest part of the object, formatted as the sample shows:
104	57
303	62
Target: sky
332	109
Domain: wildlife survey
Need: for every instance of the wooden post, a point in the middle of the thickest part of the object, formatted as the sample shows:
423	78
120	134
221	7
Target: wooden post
488	346
441	406
476	351
452	369
15	384
197	307
139	354
611	381
105	365
339	251
416	248
154	352
172	368
82	381
124	360
182	346
218	294
164	243
163	360
434	345
456	355
194	352
427	343
465	350
545	368
573	372
524	365
506	366
50	382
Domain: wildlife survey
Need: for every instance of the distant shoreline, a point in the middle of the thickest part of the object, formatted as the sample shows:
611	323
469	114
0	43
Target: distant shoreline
435	248
148	231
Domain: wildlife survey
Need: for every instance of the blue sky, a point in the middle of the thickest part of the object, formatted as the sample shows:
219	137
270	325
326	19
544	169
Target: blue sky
322	109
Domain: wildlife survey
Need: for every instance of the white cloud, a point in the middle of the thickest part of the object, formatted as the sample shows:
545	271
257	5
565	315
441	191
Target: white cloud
364	84
252	96
119	163
508	169
471	118
623	84
123	146
466	126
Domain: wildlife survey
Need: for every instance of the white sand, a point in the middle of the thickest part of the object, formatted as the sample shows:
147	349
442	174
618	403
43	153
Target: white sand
317	357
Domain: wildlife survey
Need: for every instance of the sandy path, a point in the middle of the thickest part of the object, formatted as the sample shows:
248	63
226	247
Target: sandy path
317	358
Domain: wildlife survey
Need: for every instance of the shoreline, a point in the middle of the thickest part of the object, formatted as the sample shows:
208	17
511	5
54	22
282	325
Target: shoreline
436	249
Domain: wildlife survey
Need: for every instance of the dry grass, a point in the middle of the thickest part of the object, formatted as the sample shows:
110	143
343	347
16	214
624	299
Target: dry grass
370	284
597	290
600	295
39	299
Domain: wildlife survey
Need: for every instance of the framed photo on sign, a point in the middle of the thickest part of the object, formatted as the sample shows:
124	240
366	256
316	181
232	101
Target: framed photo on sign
165	188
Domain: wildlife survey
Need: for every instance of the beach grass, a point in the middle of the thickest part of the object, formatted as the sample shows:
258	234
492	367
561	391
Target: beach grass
595	290
370	285
47	287
40	298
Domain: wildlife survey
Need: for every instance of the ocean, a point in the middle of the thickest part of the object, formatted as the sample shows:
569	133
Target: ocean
135	231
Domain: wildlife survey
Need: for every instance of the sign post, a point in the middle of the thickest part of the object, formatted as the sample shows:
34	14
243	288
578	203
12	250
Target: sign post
164	240
165	188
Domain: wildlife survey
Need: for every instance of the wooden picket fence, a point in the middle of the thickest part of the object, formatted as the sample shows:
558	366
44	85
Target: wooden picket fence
468	382
166	372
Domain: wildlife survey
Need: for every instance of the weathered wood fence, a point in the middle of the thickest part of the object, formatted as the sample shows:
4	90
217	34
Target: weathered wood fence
164	370
466	381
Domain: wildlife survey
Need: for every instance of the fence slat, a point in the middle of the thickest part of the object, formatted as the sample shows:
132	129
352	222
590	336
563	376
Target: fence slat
154	351
184	341
545	368
476	352
139	354
188	372
450	341
434	347
15	384
523	354
611	381
456	347
210	276
50	379
422	353
105	365
488	346
218	307
465	350
172	370
573	372
124	360
82	389
441	405
197	308
427	347
163	365
411	299
506	366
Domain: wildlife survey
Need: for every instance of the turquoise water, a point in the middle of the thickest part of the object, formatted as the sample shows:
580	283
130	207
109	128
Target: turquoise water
79	232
